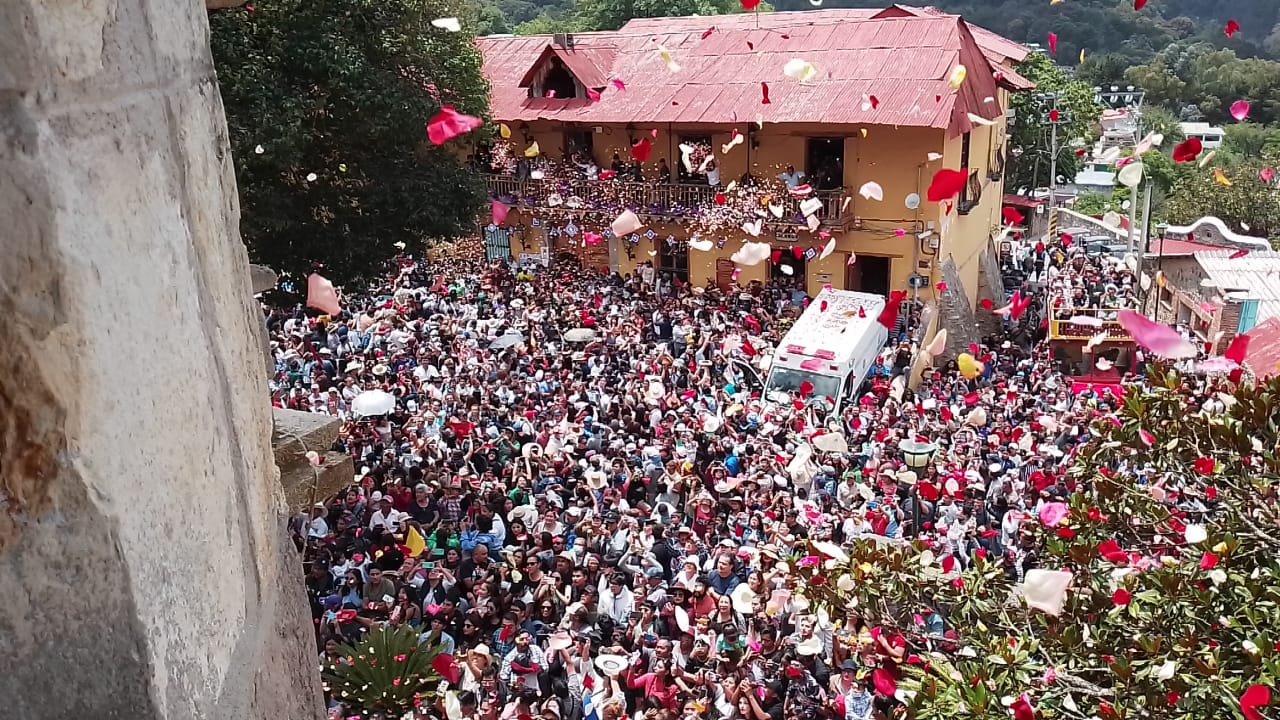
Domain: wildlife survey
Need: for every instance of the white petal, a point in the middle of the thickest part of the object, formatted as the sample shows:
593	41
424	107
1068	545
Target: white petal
1195	534
450	24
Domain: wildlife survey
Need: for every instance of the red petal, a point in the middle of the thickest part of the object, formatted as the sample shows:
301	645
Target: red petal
1022	709
875	102
948	563
499	212
1054	115
941	287
1208	561
1231	28
449	123
1012	216
1139	4
750	4
593	95
1255	697
1187	150
707	33
764	91
986	304
1053	43
1211	493
1204	465
1120	597
1110	550
806	388
947	184
884	682
1237	349
640	149
445	665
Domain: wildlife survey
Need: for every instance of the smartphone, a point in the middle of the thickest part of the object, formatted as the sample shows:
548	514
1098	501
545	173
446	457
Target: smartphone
429	565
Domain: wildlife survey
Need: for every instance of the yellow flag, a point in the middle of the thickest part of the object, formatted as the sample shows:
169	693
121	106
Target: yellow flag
414	542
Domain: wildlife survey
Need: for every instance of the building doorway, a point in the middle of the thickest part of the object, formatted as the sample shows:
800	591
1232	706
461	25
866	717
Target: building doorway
673	258
824	162
870	274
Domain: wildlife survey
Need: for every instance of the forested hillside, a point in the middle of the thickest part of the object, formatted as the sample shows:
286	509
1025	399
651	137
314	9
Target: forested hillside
1099	27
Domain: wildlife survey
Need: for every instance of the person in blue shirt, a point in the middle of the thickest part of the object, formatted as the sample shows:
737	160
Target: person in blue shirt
480	533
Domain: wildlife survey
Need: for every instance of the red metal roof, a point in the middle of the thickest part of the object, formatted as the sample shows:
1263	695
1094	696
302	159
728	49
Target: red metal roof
1023	201
904	62
1263	357
1170	246
998	49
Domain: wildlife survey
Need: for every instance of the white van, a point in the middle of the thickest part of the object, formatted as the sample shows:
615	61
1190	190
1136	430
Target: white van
832	347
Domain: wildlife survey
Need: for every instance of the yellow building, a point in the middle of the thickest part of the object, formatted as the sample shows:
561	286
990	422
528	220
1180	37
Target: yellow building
719	108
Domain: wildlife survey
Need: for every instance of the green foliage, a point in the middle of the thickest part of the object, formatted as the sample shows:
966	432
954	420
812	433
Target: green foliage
1250	140
1199	626
1031	133
1247	201
1160	119
613	14
387	673
1093	203
1197	80
344	89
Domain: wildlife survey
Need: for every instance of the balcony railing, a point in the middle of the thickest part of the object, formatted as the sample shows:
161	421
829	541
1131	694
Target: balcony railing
652	198
1069	324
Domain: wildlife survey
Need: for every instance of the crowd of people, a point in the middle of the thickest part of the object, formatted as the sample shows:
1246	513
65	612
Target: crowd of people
606	511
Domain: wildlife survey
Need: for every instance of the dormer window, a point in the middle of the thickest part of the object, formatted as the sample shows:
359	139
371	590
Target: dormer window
557	81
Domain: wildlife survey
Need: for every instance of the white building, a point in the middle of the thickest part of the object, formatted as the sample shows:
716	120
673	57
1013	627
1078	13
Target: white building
1209	136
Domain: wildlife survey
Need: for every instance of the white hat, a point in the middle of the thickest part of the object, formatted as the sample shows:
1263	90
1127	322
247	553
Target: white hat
742	597
611	664
596	479
809	646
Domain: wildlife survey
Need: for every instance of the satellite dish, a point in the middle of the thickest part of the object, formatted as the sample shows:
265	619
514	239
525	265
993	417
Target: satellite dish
913	201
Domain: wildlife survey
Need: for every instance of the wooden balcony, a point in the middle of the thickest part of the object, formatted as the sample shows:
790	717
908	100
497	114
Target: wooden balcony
666	201
1064	325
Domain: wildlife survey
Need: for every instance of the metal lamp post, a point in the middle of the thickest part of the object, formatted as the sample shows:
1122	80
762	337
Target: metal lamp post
917	456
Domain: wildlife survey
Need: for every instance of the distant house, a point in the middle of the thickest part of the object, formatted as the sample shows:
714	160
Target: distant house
1209	136
876	110
1211	290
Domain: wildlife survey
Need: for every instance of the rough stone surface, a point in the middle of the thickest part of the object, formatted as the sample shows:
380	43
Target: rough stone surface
296	433
143	553
991	287
954	312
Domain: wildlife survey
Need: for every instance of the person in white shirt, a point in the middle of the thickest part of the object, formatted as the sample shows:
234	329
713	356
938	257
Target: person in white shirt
317	527
386	517
616	600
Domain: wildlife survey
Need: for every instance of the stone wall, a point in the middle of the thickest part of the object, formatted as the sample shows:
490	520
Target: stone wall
143	554
955	313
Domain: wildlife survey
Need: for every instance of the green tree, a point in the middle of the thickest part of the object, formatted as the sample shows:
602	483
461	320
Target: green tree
1168	616
326	103
1160	119
613	14
1246	202
1250	140
1029	141
388	672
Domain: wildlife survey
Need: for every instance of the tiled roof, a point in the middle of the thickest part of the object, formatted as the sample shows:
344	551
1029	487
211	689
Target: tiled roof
1263	357
903	61
1168	247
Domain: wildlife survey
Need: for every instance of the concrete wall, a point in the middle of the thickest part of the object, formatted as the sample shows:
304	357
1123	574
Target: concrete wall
143	553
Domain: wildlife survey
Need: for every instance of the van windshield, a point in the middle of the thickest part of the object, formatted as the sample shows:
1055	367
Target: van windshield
788	380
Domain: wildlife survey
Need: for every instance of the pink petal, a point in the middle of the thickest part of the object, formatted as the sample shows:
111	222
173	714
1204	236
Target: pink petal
1160	339
448	123
1240	110
1053	513
1053	43
593	95
1147	438
619	84
321	295
499	212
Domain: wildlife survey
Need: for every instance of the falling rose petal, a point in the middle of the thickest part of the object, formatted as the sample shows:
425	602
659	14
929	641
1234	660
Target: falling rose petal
1266	174
449	24
640	150
947	184
1054	115
591	239
1231	28
625	224
750	5
956	79
321	295
827	249
445	665
1240	110
686	156
259	150
979	120
707	33
764	93
1160	339
449	123
1237	350
853	258
751	253
499	212
1053	513
533	150
734	141
311	177
1011	216
1207	158
1081	56
618	84
1187	150
1147	438
899	232
1195	534
1139	4
884	682
938	344
1130	175
1208	561
1046	590
799	70
1256	696
934	157
313	457
593	95
940	287
969	366
1053	43
1221	177
670	62
1120	597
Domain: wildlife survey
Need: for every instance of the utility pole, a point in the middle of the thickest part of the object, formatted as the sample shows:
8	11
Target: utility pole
1052	116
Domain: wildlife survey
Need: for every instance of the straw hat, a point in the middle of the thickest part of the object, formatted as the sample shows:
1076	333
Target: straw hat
611	664
596	479
531	450
742	597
